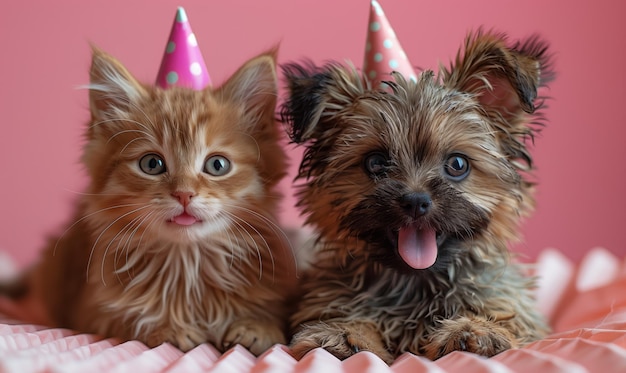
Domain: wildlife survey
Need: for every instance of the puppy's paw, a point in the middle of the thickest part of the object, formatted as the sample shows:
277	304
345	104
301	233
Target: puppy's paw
469	334
257	336
342	339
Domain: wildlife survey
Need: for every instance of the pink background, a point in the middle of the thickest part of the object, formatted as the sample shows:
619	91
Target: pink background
581	154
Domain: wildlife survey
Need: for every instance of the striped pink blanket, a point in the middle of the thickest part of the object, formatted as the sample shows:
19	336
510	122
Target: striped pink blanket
586	305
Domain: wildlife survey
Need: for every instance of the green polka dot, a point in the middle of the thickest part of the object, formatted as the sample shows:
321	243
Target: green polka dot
171	46
372	74
171	77
374	26
378	57
387	43
393	64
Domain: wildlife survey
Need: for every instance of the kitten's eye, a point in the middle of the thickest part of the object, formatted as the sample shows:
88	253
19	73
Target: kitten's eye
376	163
457	167
152	164
217	165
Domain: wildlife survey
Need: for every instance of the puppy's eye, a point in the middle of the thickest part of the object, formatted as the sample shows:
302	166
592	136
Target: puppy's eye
457	167
152	164
217	165
376	163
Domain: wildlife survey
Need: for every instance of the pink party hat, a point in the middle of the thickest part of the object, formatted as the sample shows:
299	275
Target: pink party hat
182	63
383	52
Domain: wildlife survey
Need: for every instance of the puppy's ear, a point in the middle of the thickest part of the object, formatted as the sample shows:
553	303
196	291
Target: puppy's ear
505	81
315	95
504	78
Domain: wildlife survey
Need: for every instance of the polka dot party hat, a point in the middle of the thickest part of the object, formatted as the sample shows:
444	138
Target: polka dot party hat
182	63
383	52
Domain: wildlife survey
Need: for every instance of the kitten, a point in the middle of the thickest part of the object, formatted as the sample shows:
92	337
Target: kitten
175	239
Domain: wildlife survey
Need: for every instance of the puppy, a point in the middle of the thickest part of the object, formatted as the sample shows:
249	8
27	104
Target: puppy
415	192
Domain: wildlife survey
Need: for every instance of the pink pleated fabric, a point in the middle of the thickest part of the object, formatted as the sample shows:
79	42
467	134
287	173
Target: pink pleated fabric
585	303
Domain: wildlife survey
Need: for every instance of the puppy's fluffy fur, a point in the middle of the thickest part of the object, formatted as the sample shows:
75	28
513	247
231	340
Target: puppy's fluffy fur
416	192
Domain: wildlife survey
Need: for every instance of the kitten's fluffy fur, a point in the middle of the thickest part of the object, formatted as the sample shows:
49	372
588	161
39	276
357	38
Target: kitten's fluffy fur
441	161
124	267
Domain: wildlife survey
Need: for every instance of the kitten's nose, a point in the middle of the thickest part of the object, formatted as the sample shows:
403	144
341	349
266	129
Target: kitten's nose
416	204
183	197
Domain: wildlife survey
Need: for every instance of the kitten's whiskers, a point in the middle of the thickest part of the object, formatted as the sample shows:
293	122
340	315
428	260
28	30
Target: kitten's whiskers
230	233
275	228
87	216
130	142
137	223
241	229
93	248
121	119
93	194
145	115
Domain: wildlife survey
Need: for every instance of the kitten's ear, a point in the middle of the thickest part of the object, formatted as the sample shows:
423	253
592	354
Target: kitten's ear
255	87
112	88
505	81
315	93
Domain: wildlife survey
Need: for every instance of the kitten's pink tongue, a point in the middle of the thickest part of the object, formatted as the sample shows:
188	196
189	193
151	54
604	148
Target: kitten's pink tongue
184	219
417	246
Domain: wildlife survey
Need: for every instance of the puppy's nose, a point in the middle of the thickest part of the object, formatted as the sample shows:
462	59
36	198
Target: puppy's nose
416	204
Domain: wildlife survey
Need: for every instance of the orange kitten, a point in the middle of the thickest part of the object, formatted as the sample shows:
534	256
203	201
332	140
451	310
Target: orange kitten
175	239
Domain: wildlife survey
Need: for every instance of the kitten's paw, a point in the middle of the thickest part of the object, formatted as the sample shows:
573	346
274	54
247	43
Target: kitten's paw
469	334
342	339
257	336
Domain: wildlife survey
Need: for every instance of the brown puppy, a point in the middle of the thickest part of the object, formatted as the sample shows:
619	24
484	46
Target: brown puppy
415	193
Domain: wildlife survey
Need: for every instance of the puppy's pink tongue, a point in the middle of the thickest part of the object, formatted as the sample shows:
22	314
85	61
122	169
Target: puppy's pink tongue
417	246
